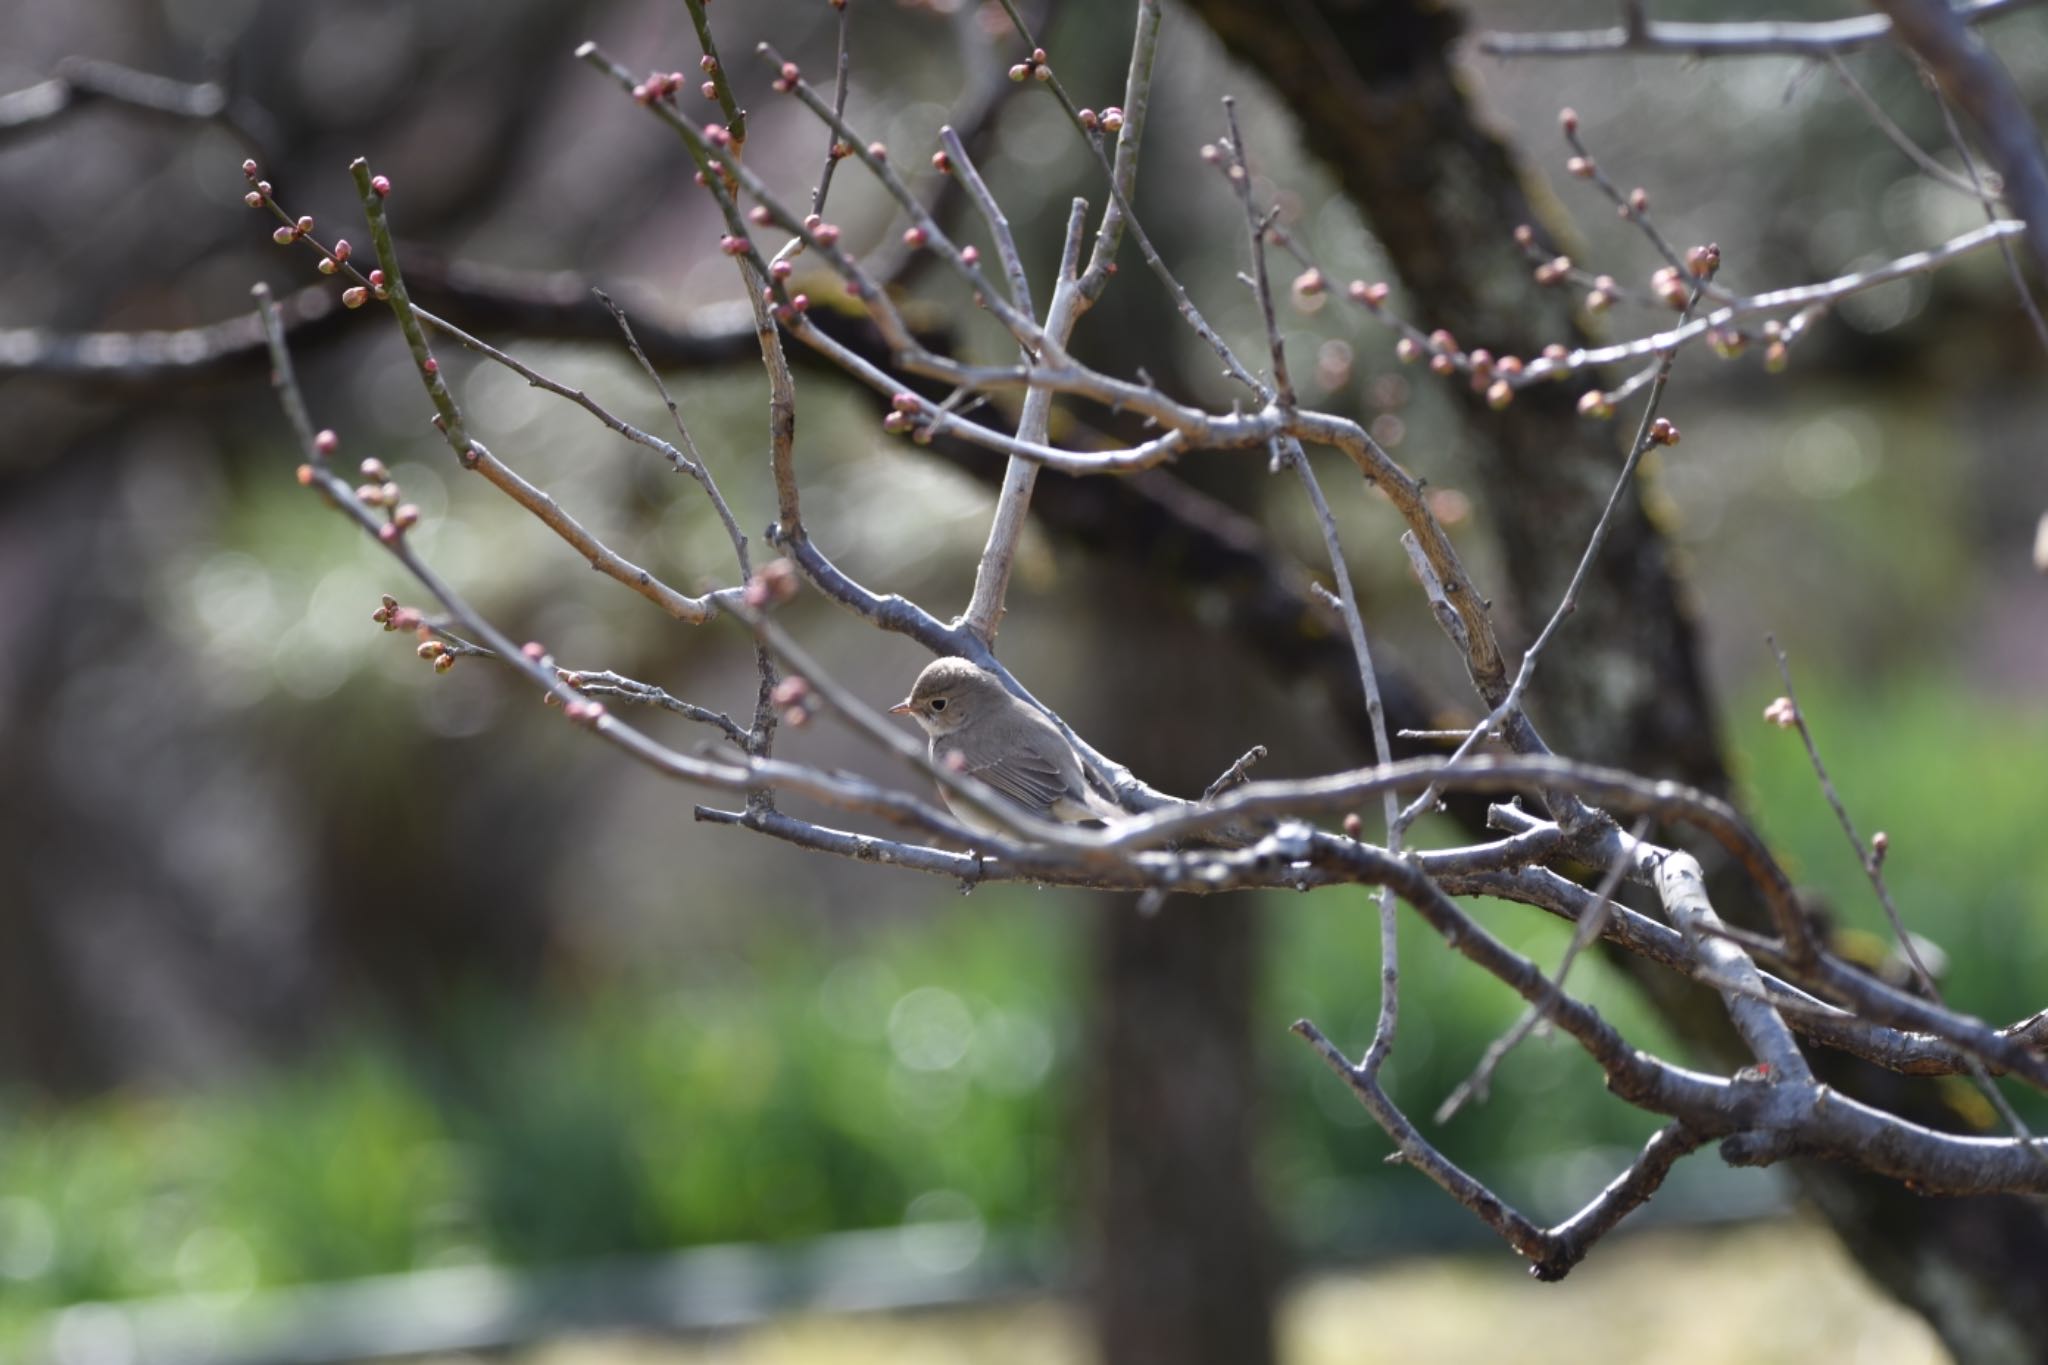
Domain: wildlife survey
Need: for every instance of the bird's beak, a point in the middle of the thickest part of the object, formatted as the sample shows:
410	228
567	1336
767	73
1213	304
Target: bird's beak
901	708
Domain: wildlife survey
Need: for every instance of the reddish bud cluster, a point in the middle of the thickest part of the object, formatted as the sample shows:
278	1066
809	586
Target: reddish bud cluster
584	712
1556	270
1703	261
325	442
534	650
915	238
791	691
787	79
733	246
394	617
1373	295
1580	166
380	185
776	581
1782	713
1032	66
1664	432
942	163
1638	202
1594	403
970	255
662	85
1112	119
826	234
718	135
1669	286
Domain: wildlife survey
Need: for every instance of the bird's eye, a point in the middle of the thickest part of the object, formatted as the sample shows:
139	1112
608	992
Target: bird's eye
938	703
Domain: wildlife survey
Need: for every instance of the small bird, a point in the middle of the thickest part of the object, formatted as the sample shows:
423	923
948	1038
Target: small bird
978	728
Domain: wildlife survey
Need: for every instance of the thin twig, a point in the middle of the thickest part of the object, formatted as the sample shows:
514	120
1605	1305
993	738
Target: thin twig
1590	927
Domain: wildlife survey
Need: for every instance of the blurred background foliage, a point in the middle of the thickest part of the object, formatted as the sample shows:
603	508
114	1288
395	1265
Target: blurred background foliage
318	966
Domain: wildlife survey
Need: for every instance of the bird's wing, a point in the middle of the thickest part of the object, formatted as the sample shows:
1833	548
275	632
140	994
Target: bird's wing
1028	776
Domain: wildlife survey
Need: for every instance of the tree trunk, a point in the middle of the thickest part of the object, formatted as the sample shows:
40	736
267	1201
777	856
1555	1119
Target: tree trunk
1381	103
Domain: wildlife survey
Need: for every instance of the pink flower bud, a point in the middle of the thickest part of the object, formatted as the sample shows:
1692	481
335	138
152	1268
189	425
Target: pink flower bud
326	442
382	185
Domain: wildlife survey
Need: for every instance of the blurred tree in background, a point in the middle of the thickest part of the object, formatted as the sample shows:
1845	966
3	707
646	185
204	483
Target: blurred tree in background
313	964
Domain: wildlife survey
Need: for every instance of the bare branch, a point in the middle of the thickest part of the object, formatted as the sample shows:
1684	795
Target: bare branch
1759	39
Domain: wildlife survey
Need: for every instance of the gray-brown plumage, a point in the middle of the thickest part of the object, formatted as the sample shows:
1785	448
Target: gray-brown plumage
977	727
